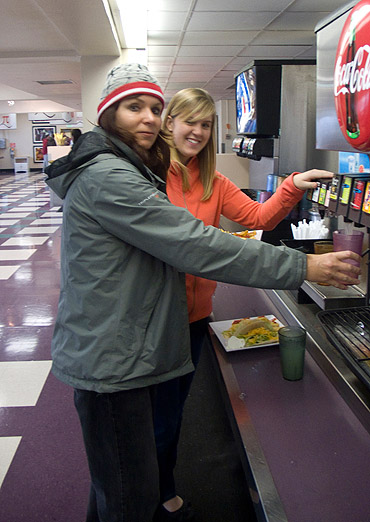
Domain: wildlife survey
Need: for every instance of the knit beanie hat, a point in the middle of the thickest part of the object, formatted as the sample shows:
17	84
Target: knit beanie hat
127	80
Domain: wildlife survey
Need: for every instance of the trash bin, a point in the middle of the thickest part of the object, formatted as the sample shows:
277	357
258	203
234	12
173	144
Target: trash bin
21	165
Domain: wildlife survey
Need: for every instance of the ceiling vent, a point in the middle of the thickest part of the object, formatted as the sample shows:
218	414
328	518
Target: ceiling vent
53	82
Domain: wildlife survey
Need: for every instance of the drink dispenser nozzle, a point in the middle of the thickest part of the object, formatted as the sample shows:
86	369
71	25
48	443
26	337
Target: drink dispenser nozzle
314	213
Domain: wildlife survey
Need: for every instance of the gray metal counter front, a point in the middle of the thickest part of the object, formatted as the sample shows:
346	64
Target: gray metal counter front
306	443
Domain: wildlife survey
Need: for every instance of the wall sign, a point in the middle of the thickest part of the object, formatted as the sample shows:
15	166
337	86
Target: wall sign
8	121
352	77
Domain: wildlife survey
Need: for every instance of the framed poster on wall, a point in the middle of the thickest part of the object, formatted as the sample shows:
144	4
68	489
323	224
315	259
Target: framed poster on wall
38	156
39	133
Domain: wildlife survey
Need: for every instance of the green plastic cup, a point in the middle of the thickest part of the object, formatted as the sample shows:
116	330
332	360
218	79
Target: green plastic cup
292	346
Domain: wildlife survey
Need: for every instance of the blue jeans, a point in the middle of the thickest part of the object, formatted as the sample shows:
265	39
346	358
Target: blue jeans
119	441
169	404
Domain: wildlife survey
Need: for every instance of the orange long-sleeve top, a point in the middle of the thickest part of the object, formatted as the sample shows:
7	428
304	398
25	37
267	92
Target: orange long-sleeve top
227	200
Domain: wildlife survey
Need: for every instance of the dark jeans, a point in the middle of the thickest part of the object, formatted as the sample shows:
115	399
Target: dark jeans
169	404
119	441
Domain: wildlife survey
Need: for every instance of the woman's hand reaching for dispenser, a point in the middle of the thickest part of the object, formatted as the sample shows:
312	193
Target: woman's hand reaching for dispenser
308	180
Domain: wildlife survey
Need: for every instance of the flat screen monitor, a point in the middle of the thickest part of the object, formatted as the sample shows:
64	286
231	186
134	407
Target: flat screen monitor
258	99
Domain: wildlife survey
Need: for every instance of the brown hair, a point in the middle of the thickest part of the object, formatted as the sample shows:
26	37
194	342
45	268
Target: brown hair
194	104
157	158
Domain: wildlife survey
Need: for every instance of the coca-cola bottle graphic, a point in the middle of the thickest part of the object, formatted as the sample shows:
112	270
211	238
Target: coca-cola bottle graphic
352	125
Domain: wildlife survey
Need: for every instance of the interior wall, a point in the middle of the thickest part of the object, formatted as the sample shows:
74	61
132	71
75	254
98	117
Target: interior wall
94	71
234	168
22	136
226	132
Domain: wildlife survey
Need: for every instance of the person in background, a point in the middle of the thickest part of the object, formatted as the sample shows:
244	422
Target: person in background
76	133
122	322
48	141
194	184
66	140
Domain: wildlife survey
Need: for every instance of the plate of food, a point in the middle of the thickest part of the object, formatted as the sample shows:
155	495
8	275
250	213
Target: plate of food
248	332
246	234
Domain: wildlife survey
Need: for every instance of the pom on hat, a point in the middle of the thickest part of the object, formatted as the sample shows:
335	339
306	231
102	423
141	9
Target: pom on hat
127	80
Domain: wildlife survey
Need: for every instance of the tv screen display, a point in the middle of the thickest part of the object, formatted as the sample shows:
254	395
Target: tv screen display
246	118
258	95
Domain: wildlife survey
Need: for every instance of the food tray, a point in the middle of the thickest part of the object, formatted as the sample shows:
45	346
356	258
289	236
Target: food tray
341	329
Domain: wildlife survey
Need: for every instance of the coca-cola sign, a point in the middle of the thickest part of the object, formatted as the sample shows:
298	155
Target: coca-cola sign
352	77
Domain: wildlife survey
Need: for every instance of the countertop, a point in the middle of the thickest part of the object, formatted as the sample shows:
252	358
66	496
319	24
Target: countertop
306	444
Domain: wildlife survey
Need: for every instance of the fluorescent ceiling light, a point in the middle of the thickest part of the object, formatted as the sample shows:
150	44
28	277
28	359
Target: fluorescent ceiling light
134	22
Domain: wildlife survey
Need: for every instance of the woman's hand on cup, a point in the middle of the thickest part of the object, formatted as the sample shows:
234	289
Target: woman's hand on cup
332	269
307	180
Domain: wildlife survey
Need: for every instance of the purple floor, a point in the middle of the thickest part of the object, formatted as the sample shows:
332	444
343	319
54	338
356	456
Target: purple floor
45	477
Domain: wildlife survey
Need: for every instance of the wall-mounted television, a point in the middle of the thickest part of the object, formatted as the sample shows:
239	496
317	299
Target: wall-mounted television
258	98
258	94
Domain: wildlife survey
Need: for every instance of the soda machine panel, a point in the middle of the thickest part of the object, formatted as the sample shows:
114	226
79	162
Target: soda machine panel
343	85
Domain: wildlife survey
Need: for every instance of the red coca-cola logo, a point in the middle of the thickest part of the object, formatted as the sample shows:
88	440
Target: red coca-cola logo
352	77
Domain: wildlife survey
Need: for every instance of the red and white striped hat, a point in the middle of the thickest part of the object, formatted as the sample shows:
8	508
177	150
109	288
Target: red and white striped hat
127	80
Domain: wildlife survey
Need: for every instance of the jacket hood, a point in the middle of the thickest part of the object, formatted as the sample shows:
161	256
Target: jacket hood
62	172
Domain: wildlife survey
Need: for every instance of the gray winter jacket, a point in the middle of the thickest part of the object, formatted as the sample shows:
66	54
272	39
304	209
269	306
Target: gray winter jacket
122	317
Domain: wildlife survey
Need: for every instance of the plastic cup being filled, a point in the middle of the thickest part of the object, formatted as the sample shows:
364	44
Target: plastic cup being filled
343	240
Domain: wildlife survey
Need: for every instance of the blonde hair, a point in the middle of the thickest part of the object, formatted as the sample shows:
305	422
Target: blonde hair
194	104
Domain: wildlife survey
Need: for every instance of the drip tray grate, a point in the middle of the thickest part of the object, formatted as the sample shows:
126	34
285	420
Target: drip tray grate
349	331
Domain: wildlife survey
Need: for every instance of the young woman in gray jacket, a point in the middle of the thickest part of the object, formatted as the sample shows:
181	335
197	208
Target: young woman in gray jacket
122	324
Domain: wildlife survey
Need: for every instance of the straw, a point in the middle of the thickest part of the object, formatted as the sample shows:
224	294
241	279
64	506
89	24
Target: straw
311	230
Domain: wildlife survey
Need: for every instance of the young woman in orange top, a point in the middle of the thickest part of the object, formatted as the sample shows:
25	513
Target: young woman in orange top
193	183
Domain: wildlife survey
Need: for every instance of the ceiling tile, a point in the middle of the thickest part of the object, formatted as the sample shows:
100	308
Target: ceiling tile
316	5
293	21
201	76
286	37
170	5
163	37
196	67
184	85
164	20
241	5
218	37
160	60
235	67
196	59
229	21
215	50
274	51
224	74
162	50
159	68
240	60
